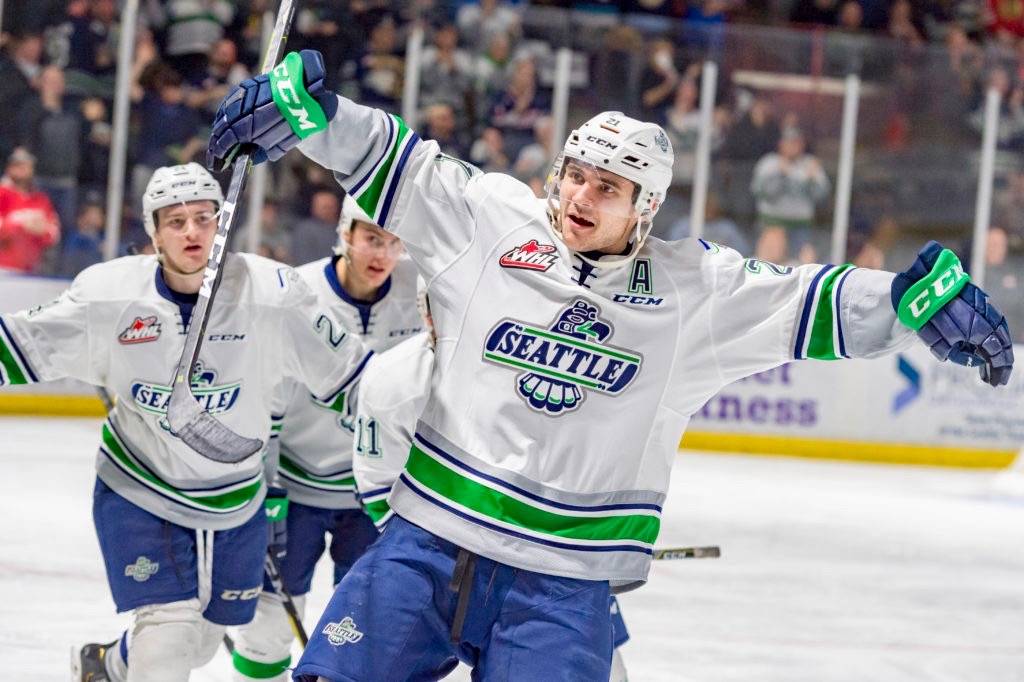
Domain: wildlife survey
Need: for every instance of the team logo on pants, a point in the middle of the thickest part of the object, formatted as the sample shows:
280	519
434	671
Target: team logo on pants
563	361
343	632
142	569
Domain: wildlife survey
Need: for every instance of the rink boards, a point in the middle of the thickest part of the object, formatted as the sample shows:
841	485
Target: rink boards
906	408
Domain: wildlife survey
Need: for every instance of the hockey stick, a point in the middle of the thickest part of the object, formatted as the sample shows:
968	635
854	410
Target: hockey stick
273	571
667	553
197	428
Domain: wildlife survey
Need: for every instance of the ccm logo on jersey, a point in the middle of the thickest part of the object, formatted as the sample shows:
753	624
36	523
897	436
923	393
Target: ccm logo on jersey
141	330
637	300
529	256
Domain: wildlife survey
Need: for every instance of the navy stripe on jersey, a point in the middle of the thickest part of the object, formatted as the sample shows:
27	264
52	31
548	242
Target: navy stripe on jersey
522	536
526	493
806	314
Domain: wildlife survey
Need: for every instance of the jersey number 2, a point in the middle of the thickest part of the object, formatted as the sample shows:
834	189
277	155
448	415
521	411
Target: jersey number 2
326	326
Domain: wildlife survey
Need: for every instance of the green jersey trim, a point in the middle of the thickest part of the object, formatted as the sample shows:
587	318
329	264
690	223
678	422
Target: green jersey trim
342	481
825	339
220	500
478	497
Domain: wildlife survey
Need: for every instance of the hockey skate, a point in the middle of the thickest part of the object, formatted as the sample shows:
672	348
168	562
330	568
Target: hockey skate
88	662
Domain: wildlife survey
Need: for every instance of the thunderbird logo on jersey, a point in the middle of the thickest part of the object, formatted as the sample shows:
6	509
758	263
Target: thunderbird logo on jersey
153	398
529	256
141	330
563	361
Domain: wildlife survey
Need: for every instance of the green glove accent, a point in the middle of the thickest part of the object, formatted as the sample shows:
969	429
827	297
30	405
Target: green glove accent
298	107
927	295
277	508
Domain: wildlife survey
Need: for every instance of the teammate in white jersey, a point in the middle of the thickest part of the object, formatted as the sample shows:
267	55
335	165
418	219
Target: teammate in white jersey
371	288
571	351
182	536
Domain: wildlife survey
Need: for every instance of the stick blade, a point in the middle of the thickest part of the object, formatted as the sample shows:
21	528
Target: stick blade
203	433
688	553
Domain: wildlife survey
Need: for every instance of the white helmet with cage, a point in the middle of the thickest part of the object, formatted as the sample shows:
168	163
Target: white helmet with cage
171	185
350	213
635	150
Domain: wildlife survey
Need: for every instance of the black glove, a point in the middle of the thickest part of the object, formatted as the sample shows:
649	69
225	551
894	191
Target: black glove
276	505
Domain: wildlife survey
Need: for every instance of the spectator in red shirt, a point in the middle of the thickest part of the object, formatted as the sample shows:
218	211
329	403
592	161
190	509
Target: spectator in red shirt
28	221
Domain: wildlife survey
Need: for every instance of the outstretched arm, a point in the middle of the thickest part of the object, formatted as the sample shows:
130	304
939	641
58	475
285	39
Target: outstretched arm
764	315
402	183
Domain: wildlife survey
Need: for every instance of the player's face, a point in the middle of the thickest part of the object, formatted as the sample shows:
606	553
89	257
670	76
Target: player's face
596	207
372	253
184	235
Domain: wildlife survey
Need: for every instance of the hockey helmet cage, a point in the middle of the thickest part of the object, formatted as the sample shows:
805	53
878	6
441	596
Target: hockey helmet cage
172	185
635	150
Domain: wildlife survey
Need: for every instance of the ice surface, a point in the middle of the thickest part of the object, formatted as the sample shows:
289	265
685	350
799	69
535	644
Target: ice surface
829	571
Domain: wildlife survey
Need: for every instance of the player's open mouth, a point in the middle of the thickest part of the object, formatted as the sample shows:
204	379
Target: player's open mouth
374	270
579	221
193	248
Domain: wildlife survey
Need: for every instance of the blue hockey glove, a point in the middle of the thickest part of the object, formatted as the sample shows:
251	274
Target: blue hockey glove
276	504
955	318
273	112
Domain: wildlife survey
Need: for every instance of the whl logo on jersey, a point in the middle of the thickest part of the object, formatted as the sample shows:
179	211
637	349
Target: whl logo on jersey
212	398
141	330
563	361
529	256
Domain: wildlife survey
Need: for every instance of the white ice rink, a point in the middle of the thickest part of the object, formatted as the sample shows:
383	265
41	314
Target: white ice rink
829	571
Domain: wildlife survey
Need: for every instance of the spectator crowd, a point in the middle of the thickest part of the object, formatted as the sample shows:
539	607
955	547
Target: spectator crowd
485	95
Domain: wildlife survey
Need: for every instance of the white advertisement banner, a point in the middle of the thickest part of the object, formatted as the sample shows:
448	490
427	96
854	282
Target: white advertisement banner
906	398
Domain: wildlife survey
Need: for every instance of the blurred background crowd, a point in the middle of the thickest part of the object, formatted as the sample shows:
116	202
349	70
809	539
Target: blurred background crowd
485	95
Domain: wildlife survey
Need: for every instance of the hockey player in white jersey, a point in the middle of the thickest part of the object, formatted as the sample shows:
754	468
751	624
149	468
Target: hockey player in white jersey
370	287
182	536
572	350
392	394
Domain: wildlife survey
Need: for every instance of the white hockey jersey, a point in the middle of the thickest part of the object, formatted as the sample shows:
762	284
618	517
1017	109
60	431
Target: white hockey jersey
560	391
119	326
392	394
314	440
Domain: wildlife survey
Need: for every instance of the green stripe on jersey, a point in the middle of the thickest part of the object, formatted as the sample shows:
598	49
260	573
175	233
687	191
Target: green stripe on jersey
823	343
370	197
12	370
221	502
497	505
377	510
289	466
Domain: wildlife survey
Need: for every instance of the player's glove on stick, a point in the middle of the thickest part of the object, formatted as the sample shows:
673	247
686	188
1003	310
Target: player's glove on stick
276	504
273	112
955	318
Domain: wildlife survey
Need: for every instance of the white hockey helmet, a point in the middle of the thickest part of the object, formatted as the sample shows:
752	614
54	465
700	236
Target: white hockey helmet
636	150
350	213
172	185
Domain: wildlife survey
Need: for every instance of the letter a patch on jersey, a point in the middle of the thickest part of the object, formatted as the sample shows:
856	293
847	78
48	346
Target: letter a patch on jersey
141	330
563	361
529	256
